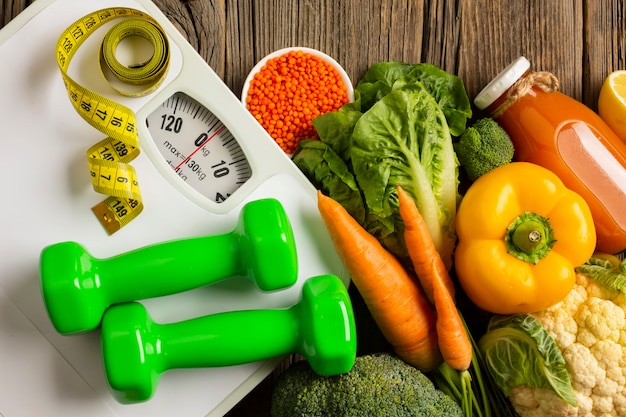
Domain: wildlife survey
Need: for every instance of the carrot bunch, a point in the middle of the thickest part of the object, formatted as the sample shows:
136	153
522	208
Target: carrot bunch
396	302
419	319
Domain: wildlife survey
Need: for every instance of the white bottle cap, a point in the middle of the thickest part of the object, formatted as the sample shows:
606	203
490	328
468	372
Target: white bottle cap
501	83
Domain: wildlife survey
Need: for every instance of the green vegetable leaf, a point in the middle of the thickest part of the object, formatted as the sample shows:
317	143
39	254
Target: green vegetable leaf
605	272
378	80
404	139
447	89
519	351
335	129
329	173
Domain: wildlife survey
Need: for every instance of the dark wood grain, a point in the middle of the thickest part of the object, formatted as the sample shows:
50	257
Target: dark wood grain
580	41
604	44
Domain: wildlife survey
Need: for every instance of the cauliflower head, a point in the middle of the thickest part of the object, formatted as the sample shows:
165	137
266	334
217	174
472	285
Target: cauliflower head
589	328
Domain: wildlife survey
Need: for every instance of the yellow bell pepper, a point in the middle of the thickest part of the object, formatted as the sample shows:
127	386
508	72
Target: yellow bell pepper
521	234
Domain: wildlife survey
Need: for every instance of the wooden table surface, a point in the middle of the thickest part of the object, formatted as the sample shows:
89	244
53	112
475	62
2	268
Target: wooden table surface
579	41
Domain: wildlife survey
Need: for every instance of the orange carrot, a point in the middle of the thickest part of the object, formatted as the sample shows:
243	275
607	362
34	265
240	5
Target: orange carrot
454	343
395	300
420	245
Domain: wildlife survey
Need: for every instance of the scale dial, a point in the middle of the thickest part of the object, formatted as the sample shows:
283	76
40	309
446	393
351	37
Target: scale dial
198	147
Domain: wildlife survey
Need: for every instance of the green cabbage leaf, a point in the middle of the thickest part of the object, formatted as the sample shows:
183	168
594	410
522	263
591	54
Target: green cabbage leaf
519	351
610	273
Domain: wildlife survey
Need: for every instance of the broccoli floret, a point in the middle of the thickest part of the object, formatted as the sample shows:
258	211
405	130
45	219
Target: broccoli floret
482	147
377	385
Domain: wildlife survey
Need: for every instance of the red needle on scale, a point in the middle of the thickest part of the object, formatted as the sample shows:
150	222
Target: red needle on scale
217	132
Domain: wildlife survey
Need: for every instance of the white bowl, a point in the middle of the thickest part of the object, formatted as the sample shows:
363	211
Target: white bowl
280	52
262	62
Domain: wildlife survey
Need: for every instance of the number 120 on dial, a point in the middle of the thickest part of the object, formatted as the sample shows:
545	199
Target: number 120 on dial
198	147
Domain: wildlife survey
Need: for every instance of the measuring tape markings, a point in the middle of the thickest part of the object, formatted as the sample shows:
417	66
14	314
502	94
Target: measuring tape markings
109	159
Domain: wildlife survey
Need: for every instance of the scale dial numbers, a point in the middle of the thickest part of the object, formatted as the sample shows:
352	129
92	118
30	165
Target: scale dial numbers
198	147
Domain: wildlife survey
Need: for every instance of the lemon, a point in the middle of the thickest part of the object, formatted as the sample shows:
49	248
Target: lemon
612	102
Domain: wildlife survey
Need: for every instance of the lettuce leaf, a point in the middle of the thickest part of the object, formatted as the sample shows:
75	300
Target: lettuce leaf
335	128
379	80
447	89
324	167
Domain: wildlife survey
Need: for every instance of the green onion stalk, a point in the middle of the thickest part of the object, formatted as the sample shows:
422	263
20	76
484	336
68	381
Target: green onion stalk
473	389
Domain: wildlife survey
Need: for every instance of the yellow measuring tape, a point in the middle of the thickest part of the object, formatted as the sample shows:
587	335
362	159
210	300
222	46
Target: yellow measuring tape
111	173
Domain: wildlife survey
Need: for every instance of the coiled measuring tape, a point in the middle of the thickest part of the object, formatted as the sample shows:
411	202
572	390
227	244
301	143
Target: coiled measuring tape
109	160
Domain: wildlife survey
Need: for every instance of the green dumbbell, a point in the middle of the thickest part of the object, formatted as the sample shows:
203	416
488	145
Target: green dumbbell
136	350
78	288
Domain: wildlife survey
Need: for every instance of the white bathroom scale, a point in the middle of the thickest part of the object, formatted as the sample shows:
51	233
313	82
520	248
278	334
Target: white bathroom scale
193	182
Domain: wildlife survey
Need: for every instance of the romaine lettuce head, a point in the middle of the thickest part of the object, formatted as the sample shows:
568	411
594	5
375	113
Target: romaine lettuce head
404	140
395	132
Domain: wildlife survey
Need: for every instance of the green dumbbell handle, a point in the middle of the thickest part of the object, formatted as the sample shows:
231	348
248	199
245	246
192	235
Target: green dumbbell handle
78	288
137	351
164	268
237	337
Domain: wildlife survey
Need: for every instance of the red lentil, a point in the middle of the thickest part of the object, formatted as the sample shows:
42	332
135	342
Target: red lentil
290	91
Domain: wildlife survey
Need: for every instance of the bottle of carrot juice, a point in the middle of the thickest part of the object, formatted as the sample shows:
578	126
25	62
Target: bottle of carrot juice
553	130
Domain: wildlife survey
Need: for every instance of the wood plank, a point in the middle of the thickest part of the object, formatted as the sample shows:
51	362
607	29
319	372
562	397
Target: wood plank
203	24
495	33
604	44
580	41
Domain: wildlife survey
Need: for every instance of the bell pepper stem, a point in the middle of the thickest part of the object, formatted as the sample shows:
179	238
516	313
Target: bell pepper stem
530	237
